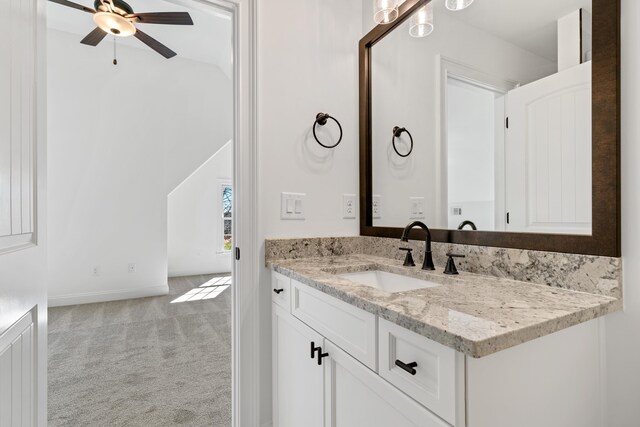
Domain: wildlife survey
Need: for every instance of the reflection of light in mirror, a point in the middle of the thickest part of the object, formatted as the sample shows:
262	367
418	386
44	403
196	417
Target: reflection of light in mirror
421	22
208	290
385	11
456	5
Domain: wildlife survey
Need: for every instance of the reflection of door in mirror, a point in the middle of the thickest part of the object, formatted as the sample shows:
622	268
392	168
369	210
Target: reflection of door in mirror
454	89
549	154
475	153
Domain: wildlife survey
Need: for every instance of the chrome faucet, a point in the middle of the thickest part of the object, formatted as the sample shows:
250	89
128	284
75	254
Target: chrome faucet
428	258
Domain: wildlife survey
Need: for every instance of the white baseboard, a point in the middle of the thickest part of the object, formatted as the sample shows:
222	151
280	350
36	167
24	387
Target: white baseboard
269	424
103	296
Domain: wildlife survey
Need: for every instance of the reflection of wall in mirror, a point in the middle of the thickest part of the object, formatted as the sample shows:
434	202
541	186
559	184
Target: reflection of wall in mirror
404	86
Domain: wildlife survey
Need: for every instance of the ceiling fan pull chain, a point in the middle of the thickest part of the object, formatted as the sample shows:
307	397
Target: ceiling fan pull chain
115	60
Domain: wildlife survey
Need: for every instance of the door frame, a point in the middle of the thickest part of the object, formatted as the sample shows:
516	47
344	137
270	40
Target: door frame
245	322
446	68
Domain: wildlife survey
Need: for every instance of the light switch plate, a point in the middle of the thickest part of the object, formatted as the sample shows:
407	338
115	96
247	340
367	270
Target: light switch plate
349	206
292	206
416	207
377	206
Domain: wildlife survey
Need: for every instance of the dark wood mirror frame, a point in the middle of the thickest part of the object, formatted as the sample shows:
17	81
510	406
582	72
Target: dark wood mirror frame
605	238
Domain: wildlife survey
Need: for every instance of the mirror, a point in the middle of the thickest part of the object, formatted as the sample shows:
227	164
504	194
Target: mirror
484	122
453	90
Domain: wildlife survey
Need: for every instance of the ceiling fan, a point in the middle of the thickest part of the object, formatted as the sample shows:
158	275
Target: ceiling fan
118	18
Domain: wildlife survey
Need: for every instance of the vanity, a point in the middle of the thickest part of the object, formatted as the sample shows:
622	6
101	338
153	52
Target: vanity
361	340
506	153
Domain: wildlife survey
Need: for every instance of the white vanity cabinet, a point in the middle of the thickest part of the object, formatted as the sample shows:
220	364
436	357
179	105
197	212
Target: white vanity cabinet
344	389
374	373
355	396
298	388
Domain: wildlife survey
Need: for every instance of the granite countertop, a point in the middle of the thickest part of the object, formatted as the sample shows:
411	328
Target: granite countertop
475	314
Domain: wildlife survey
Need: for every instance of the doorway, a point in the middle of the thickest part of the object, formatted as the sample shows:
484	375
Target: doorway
475	148
109	178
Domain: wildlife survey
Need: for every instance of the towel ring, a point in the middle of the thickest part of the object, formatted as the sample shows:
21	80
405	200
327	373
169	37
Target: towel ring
321	119
397	131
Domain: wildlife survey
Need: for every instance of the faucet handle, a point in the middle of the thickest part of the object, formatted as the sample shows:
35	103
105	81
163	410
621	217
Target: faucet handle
450	268
408	260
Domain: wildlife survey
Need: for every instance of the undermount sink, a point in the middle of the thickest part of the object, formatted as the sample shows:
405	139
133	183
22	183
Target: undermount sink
388	282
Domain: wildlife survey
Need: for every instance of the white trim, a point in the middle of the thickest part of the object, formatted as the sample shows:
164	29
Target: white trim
17	242
245	324
602	340
104	296
445	68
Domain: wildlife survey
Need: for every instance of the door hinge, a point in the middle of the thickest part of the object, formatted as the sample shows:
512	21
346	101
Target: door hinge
508	217
237	253
507	122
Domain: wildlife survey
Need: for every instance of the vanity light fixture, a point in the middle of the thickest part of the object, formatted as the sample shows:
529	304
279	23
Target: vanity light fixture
456	5
385	11
421	22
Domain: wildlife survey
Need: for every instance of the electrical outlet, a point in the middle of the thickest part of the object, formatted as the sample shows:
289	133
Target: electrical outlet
349	206
133	268
95	271
377	206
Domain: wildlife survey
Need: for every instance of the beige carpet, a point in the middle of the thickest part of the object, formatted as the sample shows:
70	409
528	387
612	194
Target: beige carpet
144	362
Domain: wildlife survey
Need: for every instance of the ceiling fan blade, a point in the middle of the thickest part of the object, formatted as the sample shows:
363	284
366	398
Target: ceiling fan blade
94	37
155	44
73	5
167	18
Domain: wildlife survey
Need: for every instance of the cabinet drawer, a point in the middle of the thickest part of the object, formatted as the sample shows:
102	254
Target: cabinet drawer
350	328
437	381
281	290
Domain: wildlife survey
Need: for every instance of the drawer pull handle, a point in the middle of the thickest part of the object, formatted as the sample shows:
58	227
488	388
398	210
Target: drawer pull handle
409	367
321	355
278	291
314	349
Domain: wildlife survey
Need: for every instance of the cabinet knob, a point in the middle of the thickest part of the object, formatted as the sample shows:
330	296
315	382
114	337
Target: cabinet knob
278	291
409	367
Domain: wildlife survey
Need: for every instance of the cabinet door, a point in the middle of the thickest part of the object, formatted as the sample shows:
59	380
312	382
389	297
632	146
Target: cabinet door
357	397
297	378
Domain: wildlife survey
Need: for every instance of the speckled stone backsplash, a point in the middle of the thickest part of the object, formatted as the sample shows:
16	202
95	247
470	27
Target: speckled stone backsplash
585	273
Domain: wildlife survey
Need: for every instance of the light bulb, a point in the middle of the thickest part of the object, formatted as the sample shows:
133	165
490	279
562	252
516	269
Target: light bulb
421	22
385	11
456	5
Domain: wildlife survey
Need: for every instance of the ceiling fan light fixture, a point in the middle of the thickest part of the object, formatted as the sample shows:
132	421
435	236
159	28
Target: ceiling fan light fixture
456	5
112	23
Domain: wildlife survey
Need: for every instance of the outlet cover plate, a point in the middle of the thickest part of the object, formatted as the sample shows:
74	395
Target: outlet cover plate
349	206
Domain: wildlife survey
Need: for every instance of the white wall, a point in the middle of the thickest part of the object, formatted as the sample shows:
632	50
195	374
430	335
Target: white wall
405	92
623	329
307	63
195	219
120	138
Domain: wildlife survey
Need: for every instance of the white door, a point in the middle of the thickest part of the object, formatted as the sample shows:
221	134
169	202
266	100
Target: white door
297	377
23	303
548	154
355	396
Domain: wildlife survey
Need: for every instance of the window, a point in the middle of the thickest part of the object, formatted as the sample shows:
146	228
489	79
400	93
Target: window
227	218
